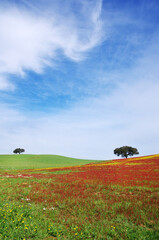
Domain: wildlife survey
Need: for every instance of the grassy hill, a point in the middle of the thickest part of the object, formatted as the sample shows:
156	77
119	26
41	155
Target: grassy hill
26	161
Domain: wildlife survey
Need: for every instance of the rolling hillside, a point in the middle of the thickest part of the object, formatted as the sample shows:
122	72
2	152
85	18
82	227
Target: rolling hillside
25	161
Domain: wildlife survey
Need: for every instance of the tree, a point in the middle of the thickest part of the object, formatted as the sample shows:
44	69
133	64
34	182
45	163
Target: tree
126	151
18	150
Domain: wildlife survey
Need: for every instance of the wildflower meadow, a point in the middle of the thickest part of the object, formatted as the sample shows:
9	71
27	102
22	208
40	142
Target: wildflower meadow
117	199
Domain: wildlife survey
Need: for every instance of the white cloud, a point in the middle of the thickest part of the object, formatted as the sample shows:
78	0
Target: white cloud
5	84
31	40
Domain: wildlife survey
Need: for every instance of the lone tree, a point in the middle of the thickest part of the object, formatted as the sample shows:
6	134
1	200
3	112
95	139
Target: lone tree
126	151
18	150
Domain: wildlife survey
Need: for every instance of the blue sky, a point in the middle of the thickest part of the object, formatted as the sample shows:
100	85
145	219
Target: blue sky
79	78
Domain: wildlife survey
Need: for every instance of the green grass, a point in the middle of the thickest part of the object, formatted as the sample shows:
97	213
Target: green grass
25	161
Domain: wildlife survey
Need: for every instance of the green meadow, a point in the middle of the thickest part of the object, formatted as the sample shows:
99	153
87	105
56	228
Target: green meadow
26	161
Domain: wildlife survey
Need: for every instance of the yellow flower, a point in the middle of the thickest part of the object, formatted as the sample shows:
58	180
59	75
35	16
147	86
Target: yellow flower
113	227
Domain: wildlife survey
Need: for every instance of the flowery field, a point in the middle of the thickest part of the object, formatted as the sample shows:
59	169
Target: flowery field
116	199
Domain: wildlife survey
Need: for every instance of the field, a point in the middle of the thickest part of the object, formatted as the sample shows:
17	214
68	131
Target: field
27	161
104	200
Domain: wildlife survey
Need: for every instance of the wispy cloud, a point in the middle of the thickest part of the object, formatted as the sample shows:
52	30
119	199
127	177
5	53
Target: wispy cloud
5	84
32	39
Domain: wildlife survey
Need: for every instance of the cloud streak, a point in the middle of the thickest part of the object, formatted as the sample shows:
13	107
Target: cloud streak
32	40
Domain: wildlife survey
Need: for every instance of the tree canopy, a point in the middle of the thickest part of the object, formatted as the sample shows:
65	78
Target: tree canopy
125	151
18	150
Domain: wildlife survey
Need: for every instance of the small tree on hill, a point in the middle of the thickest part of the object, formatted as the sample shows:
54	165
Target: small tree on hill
18	150
126	151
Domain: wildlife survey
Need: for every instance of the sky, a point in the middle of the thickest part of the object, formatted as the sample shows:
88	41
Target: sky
79	78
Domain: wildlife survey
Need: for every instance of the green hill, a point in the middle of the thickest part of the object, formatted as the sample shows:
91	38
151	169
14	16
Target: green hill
26	161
